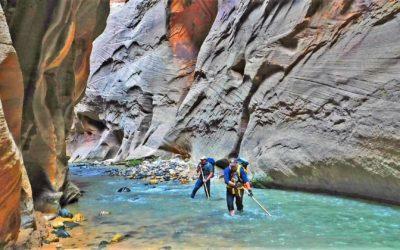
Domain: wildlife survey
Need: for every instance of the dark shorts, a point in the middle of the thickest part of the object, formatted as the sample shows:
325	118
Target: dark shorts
238	196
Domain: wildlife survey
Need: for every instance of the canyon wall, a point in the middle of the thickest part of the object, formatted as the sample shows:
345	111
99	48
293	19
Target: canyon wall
11	164
308	90
53	41
44	65
141	70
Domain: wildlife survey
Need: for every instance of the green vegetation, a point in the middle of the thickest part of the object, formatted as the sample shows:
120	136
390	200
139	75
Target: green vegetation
134	162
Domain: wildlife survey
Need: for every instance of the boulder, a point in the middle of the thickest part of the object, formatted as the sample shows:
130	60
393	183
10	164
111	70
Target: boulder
78	217
61	233
65	213
117	238
124	189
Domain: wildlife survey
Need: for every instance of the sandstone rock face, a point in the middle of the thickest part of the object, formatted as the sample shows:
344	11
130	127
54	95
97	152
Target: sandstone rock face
141	69
306	90
11	164
53	42
10	181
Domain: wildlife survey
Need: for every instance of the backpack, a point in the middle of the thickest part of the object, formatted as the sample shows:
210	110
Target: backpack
211	161
243	162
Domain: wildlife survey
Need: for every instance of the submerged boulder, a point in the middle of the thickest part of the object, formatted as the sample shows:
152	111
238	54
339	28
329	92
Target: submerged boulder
65	213
124	189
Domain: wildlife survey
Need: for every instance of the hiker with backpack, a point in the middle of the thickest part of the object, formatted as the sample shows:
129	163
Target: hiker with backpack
237	182
205	169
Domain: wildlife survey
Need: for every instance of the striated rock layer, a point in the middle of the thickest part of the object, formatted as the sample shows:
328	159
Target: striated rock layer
13	180
141	69
307	90
53	41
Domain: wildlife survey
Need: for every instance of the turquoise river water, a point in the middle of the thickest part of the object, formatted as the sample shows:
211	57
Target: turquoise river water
165	216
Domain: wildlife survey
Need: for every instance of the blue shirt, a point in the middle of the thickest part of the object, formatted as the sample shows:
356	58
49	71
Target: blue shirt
207	169
228	175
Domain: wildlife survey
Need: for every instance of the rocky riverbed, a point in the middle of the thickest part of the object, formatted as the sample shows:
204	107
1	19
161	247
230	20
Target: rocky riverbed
151	171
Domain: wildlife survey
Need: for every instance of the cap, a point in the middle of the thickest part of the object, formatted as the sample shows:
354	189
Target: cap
203	158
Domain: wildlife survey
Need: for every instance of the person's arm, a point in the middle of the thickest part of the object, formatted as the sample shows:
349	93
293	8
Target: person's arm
211	175
227	178
198	168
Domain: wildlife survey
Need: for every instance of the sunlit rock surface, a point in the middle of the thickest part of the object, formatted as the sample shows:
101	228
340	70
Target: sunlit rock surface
308	91
13	180
10	181
53	42
40	80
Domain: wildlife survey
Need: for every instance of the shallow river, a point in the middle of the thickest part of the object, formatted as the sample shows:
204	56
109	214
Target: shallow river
165	216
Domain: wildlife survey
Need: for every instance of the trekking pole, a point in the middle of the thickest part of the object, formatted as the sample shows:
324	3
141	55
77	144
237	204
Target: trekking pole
258	203
205	184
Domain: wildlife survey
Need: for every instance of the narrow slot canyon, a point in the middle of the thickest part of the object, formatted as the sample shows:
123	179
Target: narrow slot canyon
108	106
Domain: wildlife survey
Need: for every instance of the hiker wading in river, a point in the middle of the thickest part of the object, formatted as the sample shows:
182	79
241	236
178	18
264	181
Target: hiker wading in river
206	172
236	181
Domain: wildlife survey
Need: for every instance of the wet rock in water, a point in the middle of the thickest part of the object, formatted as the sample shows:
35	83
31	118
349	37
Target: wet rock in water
103	244
117	238
65	213
51	239
62	220
49	217
70	224
141	176
78	217
103	213
184	181
130	172
153	182
124	189
62	233
57	224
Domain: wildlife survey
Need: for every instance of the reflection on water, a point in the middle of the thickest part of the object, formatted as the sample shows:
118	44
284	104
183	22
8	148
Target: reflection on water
165	216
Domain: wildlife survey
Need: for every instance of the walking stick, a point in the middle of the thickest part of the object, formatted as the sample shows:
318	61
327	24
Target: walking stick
258	203
205	184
